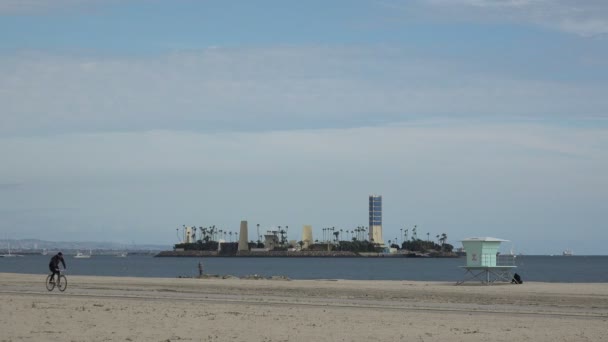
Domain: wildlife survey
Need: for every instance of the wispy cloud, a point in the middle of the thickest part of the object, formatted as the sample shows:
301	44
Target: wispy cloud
273	88
37	6
586	18
9	186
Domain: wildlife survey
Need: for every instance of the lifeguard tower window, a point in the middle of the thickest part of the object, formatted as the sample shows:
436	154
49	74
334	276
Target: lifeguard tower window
484	264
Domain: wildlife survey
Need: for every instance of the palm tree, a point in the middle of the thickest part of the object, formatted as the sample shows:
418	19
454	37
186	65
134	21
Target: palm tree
230	236
428	236
341	231
206	232
212	233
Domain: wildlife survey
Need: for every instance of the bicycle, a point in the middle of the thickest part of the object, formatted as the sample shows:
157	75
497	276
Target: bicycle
61	282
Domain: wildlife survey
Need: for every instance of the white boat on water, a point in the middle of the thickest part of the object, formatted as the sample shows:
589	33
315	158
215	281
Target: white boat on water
80	255
567	252
512	253
9	254
121	255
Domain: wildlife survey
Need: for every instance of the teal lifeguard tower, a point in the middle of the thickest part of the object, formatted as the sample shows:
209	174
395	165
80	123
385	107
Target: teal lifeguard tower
484	263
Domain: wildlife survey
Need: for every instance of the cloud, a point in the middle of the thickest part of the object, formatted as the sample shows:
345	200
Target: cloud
37	6
9	186
270	89
585	18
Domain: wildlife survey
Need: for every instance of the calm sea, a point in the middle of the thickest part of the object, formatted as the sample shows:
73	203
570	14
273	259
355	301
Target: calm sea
570	269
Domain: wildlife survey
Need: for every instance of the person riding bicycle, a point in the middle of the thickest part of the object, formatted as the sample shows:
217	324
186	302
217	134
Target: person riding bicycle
54	265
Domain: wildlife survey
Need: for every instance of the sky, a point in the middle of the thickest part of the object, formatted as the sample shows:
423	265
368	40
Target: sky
124	120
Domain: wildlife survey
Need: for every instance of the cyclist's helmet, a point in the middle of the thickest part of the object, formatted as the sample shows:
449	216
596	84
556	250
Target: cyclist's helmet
60	254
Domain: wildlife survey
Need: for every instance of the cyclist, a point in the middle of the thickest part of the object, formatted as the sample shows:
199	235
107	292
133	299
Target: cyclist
54	265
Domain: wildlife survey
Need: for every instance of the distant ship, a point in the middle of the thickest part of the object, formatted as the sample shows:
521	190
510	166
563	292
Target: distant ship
10	255
512	253
567	252
82	255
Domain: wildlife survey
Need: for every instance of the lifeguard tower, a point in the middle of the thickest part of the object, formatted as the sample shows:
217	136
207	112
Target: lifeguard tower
484	263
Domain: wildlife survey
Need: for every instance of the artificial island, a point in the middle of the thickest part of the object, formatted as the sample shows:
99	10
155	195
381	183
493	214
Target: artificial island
362	241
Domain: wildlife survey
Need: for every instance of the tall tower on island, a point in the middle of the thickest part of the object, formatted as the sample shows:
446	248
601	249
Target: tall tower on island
243	238
375	219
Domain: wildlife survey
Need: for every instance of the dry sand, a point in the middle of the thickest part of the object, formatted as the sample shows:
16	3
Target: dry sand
156	309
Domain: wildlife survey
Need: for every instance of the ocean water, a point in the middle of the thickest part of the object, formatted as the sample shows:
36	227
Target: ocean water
572	269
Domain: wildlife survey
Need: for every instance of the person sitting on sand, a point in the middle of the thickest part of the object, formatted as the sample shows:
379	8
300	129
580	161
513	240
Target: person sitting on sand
54	265
516	279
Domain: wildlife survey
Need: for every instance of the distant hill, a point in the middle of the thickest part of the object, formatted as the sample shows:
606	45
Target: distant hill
35	244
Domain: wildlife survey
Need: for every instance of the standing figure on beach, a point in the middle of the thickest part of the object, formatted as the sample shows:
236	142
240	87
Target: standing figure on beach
200	268
54	265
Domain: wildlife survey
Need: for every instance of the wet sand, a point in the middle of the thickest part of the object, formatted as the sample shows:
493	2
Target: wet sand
161	309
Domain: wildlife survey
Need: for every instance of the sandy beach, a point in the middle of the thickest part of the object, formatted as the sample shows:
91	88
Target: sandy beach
160	309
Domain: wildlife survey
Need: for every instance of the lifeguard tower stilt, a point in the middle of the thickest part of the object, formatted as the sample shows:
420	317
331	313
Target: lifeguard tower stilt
483	262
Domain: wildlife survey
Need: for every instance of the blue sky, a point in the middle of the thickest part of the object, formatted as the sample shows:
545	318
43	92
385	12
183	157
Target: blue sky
122	120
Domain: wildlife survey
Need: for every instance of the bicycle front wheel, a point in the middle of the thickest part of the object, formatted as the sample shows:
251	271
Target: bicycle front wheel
49	286
63	284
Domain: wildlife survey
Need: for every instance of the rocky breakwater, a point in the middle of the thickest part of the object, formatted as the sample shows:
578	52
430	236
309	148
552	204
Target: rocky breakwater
298	254
290	254
187	254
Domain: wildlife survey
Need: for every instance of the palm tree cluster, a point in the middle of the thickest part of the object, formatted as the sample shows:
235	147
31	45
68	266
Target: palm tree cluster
335	235
207	239
418	245
333	239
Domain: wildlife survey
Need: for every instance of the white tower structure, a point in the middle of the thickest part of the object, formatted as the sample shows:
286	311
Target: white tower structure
243	237
307	236
375	219
188	237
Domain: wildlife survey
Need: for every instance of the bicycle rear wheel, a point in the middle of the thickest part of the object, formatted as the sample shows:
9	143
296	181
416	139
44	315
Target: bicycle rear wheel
63	283
49	286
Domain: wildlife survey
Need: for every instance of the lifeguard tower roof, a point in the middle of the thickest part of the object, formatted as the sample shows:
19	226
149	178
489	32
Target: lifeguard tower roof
481	251
484	239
